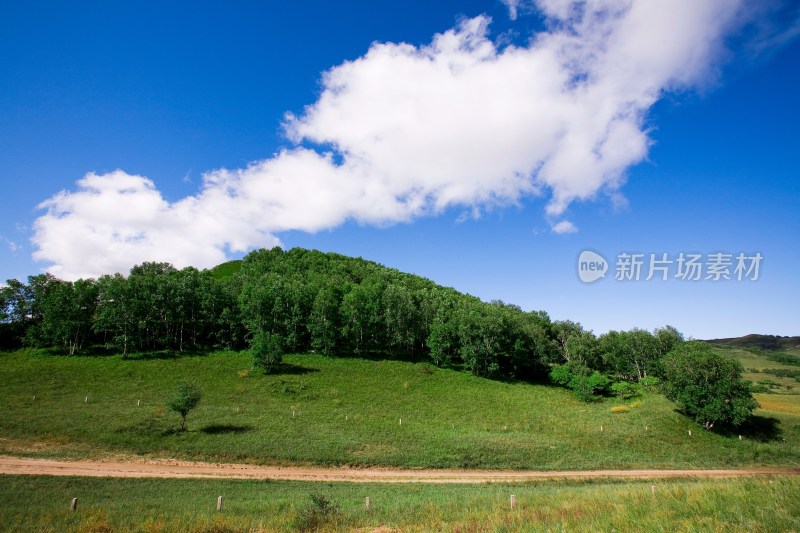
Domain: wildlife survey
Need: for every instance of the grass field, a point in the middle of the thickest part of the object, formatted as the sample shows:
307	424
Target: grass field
42	504
347	411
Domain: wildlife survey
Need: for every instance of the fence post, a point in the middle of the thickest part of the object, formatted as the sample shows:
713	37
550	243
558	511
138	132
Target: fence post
219	503
73	506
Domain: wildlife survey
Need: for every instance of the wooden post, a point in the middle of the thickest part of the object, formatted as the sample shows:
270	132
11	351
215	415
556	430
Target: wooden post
513	501
292	413
366	504
73	506
740	437
34	397
138	403
601	427
653	489
690	432
219	503
401	421
645	428
86	400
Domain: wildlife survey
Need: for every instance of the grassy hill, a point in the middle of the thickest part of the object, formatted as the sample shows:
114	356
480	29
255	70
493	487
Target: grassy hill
322	410
770	343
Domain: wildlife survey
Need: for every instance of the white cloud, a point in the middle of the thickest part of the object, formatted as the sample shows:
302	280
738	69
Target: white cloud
514	7
409	131
563	227
12	246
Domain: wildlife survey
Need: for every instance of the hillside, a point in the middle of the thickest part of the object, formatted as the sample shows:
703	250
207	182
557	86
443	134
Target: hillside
334	411
761	342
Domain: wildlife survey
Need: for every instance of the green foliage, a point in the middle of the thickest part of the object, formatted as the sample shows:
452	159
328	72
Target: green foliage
586	384
707	386
650	383
783	373
322	511
624	389
267	350
302	300
590	388
634	354
186	397
561	375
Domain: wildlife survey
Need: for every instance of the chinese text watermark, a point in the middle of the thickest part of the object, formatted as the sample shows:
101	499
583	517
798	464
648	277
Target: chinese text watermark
662	266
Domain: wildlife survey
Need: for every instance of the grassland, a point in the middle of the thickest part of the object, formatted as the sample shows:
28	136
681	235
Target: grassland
332	411
783	395
42	504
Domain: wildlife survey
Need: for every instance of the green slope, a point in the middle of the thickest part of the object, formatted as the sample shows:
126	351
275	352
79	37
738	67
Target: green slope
347	411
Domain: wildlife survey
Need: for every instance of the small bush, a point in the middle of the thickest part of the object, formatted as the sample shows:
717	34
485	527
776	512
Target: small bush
321	512
561	375
187	396
624	389
267	350
650	383
585	384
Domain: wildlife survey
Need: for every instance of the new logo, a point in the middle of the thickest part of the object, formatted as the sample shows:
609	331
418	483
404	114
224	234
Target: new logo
591	266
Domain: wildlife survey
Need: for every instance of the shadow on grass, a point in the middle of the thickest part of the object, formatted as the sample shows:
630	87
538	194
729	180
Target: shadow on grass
291	369
761	428
219	429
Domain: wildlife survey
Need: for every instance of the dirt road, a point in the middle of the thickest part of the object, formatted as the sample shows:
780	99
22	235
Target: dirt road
186	469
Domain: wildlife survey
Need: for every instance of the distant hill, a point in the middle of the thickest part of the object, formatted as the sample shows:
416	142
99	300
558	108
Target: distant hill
771	343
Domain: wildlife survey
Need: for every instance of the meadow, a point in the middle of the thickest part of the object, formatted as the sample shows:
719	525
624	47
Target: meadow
157	506
346	411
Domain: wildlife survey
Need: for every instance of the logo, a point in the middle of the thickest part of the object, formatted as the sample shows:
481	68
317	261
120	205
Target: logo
591	266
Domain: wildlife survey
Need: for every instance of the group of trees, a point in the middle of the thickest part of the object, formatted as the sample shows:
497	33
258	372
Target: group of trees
156	307
275	302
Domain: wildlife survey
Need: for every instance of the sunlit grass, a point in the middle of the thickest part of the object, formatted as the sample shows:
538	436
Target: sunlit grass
42	504
348	411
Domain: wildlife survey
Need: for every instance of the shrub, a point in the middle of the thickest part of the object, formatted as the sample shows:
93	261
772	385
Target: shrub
319	513
759	388
584	383
267	350
561	375
624	389
650	382
187	396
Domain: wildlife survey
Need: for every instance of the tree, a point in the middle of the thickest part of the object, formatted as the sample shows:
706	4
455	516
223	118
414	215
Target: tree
575	344
634	354
67	313
187	396
707	386
115	317
323	323
267	350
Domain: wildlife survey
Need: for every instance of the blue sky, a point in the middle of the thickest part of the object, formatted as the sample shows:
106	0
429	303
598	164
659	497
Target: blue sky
486	158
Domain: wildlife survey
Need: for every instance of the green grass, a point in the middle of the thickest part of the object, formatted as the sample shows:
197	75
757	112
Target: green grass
226	270
347	411
784	392
32	503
